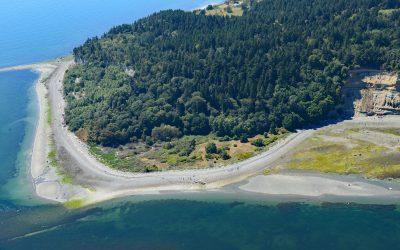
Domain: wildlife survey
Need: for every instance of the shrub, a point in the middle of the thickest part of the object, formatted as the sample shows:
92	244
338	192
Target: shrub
149	169
224	154
225	138
168	145
244	139
211	148
149	141
186	147
258	143
165	133
244	156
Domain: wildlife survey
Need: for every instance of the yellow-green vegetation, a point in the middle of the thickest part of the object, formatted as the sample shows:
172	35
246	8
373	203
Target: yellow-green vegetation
53	162
342	156
388	12
391	131
65	177
74	204
182	153
52	156
271	138
269	171
107	158
49	115
245	155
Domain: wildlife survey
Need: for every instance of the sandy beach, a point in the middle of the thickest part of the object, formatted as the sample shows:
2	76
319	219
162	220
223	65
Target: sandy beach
94	182
316	185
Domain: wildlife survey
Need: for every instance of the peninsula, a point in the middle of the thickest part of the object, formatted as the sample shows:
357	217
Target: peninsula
196	100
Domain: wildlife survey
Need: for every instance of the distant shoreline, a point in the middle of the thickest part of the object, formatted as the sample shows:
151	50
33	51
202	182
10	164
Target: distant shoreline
34	66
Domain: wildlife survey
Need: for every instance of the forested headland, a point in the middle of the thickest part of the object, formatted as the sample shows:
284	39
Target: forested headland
282	64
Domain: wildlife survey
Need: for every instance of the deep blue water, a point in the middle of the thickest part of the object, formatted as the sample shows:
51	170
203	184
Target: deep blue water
37	30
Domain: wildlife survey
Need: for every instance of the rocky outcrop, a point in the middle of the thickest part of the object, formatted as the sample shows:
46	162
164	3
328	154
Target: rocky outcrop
379	92
379	102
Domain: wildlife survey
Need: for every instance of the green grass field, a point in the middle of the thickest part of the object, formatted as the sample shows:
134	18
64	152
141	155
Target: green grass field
359	157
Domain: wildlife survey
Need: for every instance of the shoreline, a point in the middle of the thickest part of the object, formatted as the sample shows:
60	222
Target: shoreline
321	186
99	183
45	181
38	149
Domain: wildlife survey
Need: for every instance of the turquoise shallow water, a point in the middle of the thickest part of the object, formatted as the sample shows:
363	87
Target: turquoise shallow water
39	30
18	112
14	88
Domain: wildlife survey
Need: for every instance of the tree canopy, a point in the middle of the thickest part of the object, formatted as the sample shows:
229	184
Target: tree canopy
282	64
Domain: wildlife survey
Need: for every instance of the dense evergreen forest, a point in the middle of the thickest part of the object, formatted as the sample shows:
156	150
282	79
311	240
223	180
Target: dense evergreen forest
282	64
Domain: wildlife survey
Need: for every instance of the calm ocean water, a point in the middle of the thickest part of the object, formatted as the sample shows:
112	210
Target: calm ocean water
37	30
14	88
185	224
17	122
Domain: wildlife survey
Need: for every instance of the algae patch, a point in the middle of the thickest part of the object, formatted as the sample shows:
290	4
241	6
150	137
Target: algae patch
74	204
